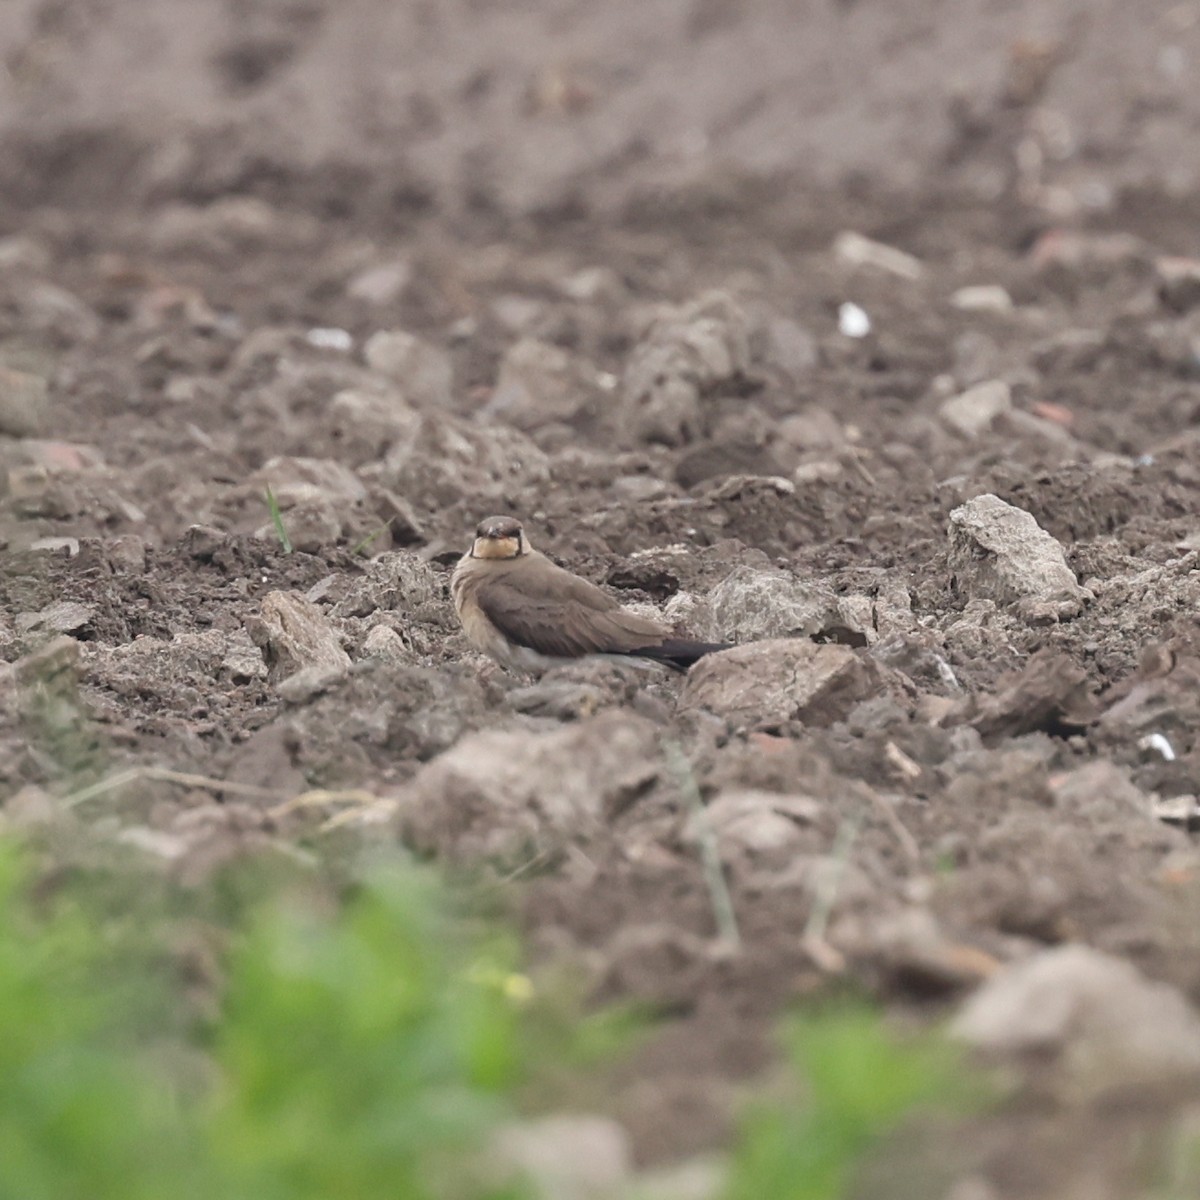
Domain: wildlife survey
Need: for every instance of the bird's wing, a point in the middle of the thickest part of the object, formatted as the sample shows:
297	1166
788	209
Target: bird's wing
564	626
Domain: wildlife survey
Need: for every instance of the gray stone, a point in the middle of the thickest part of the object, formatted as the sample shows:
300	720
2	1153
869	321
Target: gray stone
442	459
772	682
295	481
63	616
858	251
511	794
293	633
754	821
1106	1026
972	412
983	297
23	404
750	604
381	283
422	370
567	1156
310	682
999	552
684	352
384	643
539	383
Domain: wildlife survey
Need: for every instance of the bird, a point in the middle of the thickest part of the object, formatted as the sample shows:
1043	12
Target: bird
529	614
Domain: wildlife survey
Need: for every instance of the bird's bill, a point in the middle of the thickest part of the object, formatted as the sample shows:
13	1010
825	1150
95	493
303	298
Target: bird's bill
496	547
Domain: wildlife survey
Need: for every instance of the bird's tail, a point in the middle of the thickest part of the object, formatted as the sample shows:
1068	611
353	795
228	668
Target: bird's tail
680	653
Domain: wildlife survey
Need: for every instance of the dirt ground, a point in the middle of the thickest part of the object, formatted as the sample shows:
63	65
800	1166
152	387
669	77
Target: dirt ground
412	264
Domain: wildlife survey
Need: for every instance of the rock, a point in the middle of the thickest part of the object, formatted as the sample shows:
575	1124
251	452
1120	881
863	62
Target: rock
508	795
1178	283
972	412
1099	790
154	667
23	404
593	285
398	580
366	421
127	552
853	320
1050	693
858	251
750	604
384	643
202	542
403	524
63	616
243	661
986	297
422	370
303	480
68	547
59	657
718	457
310	526
684	353
442	459
32	809
813	428
293	633
999	552
330	338
790	347
381	283
566	1157
539	383
772	682
1105	1027
310	682
919	956
755	822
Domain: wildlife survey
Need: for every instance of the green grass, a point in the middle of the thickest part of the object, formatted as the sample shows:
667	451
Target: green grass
860	1083
277	520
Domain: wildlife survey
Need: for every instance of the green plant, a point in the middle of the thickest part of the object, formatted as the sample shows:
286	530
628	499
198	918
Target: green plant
860	1083
277	520
360	1049
360	1056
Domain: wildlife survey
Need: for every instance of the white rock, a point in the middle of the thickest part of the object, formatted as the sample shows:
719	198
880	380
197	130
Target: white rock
859	251
330	339
986	297
853	321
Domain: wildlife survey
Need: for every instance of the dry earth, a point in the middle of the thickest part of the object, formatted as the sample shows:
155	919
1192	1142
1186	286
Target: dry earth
411	264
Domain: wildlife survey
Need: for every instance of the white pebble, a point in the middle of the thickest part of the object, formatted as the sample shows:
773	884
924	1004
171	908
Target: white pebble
1156	741
853	321
330	339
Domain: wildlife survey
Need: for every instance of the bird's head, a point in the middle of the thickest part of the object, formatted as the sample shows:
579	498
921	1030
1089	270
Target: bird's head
499	537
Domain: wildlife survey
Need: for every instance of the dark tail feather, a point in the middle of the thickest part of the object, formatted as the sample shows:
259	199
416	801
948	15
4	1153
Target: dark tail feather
679	653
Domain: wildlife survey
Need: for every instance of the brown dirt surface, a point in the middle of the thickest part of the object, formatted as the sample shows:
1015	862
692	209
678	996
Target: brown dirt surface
408	265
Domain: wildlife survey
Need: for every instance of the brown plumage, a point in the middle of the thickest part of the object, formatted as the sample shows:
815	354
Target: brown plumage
527	613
